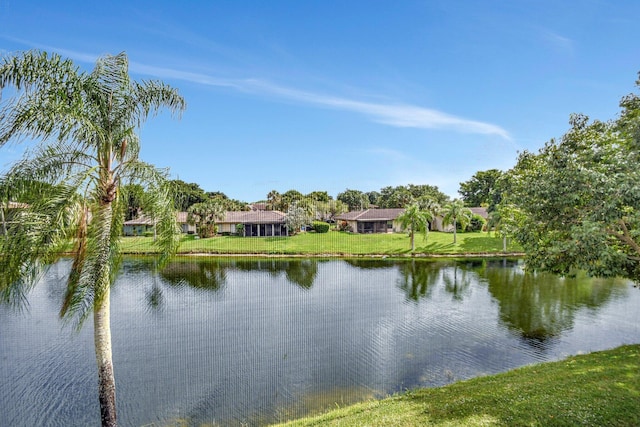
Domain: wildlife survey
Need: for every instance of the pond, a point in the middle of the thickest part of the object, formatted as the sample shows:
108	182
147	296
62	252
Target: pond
212	341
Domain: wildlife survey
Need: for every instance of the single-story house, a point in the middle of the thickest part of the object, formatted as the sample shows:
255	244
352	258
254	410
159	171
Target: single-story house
138	226
482	211
142	224
254	223
372	220
185	227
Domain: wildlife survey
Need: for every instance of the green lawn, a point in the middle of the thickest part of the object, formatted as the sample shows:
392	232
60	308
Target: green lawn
597	389
332	243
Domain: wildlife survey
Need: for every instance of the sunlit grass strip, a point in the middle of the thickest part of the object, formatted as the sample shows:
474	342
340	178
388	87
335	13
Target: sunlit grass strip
597	389
333	243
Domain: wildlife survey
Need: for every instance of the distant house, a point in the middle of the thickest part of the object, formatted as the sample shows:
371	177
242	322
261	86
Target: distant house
185	227
372	220
480	211
254	223
138	226
260	206
141	225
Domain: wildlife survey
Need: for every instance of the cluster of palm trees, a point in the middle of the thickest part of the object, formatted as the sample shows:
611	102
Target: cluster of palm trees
418	215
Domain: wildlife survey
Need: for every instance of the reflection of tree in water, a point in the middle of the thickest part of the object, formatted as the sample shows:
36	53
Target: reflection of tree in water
270	265
542	306
457	280
209	274
416	278
369	263
301	272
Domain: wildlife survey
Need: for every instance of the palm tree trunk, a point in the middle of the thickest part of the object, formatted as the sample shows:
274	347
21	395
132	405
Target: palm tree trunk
4	224
455	227
102	316
413	228
106	379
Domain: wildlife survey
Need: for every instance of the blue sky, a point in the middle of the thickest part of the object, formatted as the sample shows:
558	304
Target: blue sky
333	94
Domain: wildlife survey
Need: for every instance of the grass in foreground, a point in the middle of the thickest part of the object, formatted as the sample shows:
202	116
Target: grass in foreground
332	243
597	389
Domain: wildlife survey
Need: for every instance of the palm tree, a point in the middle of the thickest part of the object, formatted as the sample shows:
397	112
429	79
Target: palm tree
414	219
86	153
205	215
274	201
454	213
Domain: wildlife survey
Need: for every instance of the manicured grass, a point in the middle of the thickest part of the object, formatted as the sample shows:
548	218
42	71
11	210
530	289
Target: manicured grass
332	243
597	389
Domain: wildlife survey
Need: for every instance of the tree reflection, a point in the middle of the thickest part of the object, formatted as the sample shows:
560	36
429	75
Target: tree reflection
209	274
542	306
456	281
368	264
301	272
417	277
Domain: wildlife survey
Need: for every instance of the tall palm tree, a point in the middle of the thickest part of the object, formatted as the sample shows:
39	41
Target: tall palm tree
74	182
414	219
456	213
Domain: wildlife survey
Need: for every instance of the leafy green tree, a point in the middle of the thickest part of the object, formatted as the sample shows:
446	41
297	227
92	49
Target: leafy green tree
205	215
402	196
413	220
319	196
135	197
354	199
291	197
84	125
186	194
580	199
456	213
482	189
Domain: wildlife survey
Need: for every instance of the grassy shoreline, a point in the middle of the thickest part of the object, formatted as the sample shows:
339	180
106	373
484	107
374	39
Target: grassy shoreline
334	244
596	389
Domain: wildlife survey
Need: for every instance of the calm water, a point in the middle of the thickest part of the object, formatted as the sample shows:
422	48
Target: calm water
212	341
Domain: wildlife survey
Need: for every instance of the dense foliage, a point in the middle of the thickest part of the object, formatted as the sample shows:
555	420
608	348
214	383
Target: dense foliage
321	227
483	189
577	201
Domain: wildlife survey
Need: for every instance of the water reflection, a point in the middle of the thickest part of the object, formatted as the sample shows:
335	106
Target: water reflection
457	281
542	306
237	341
417	278
208	274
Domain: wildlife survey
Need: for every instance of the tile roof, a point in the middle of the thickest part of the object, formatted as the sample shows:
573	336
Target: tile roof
254	217
181	217
371	215
480	211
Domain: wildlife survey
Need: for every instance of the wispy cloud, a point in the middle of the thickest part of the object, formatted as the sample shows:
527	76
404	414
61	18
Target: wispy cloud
556	40
391	114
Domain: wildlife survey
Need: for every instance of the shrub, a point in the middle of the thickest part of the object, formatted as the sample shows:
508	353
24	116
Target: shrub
321	227
477	223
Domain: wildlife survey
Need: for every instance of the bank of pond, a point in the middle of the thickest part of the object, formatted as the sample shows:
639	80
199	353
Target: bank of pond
253	341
